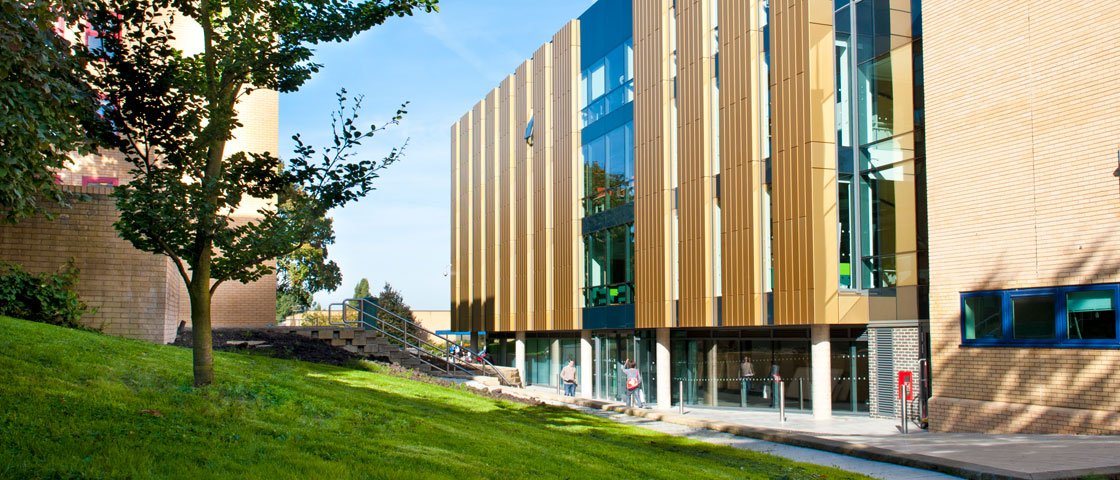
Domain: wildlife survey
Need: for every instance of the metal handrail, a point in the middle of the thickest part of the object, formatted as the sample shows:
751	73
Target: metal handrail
420	340
344	323
411	324
406	333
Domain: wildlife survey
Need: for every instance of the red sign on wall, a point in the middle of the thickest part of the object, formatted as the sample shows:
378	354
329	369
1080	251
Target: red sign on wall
906	379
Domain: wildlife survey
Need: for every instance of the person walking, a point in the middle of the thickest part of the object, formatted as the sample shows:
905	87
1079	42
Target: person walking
746	371
633	384
568	376
775	381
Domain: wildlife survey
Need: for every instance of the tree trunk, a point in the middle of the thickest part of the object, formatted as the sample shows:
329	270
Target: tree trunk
199	292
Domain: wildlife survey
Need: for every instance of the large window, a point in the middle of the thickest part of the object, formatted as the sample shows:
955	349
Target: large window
608	168
879	156
1078	316
538	361
608	83
609	267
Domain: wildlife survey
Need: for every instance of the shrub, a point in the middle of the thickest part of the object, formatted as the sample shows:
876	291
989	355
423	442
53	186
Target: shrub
314	318
47	297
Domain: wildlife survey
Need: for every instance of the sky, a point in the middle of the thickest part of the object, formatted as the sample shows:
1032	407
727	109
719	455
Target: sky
442	64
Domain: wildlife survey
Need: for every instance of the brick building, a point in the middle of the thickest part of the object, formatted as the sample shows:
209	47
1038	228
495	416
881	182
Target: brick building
1023	137
141	295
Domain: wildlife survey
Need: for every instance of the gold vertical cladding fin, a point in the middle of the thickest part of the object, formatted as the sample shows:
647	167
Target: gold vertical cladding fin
506	270
806	287
740	162
522	176
694	158
454	273
465	214
478	214
565	178
490	181
541	304
653	88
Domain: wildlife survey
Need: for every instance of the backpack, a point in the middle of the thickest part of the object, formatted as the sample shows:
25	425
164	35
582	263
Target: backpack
633	383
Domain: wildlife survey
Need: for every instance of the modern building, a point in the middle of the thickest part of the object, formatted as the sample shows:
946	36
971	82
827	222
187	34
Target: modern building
702	185
137	294
697	183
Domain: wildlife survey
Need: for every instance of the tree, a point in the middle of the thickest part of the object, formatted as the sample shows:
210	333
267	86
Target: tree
172	115
392	301
362	289
304	272
48	103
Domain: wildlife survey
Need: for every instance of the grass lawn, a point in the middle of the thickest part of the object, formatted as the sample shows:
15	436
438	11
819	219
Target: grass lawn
79	404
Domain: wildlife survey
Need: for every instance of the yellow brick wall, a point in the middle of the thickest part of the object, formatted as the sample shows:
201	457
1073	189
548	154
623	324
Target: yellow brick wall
1023	127
236	304
129	288
125	288
433	320
98	165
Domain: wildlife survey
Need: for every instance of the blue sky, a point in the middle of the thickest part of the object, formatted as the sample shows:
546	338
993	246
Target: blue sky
443	64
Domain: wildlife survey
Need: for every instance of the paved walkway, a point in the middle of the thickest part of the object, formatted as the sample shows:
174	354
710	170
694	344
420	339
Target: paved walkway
961	454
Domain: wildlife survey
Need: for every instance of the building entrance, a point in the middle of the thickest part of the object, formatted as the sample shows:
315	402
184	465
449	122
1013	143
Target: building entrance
611	350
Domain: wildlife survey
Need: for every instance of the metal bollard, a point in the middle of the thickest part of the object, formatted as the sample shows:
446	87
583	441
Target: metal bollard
682	396
902	401
801	392
781	401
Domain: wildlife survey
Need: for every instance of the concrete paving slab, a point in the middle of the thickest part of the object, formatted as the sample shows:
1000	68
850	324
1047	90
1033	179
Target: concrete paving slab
980	456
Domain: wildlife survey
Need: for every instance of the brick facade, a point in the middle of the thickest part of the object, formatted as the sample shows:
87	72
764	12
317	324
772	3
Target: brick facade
236	304
131	290
1023	130
903	347
137	294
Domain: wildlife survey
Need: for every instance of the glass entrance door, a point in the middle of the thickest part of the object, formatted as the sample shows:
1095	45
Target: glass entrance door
611	350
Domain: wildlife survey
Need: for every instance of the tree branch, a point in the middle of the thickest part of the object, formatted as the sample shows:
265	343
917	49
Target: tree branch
167	251
215	286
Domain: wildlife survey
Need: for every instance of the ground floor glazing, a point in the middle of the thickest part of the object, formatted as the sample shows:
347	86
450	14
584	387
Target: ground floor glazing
719	368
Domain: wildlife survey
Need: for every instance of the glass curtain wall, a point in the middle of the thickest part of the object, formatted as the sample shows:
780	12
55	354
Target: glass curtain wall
608	170
736	368
538	361
767	235
609	266
544	356
608	83
608	166
500	351
878	144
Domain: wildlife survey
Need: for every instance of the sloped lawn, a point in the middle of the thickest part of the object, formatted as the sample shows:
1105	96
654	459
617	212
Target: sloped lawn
76	404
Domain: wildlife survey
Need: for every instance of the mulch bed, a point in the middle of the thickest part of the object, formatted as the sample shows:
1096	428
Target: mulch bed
277	344
296	347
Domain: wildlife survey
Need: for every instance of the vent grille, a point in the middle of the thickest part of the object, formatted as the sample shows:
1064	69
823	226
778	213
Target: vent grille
884	366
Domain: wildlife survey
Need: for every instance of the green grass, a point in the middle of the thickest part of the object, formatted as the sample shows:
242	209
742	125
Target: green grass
80	404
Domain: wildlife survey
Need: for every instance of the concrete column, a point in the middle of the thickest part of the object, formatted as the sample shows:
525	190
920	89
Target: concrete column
665	383
586	363
556	361
821	372
713	375
519	356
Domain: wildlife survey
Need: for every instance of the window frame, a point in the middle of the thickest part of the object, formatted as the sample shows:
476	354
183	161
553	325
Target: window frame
1061	318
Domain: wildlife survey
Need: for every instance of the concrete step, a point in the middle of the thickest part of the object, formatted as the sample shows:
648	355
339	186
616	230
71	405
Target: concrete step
487	380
